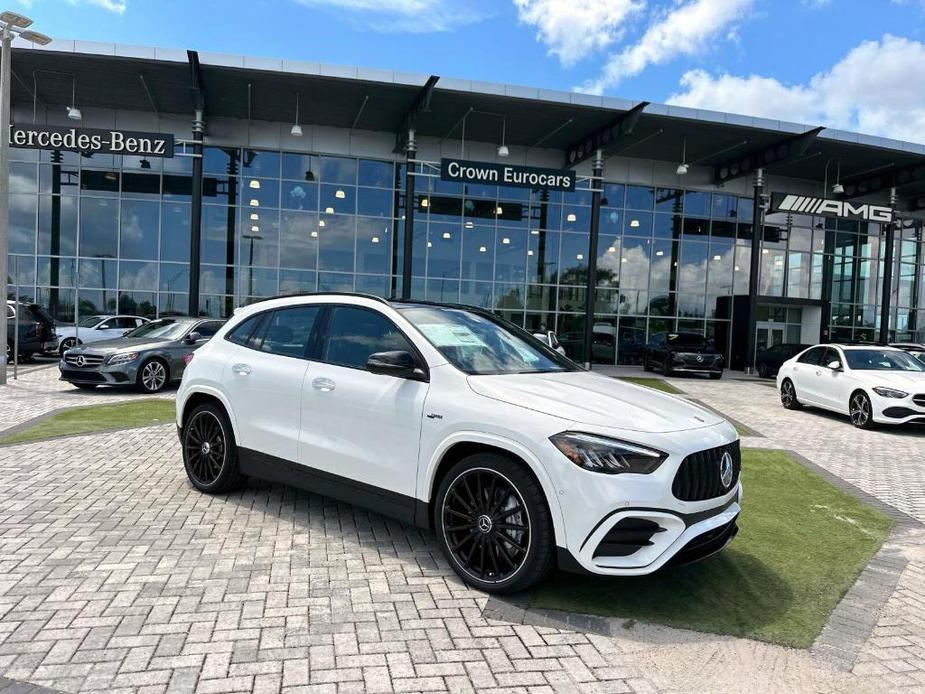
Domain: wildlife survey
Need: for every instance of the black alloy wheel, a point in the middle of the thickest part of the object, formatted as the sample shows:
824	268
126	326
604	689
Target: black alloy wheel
646	366
763	370
666	366
152	376
860	410
788	396
210	455
493	524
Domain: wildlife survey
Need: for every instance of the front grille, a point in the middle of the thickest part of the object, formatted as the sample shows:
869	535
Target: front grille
627	537
88	359
919	399
75	375
699	478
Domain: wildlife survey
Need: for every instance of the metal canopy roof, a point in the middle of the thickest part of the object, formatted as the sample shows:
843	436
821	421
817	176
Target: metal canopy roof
149	80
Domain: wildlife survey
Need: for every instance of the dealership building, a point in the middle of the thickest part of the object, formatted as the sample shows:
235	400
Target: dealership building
153	182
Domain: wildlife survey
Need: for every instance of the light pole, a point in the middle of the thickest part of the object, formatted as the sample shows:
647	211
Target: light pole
11	24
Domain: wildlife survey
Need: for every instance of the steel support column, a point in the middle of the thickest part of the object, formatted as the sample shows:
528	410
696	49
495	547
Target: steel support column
597	181
753	268
5	56
889	234
408	245
196	216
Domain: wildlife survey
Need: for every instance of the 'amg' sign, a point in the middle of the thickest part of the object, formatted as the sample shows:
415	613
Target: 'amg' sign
803	204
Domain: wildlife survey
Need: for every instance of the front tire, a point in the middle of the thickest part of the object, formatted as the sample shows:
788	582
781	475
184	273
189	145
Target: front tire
493	524
788	395
716	376
66	344
210	454
153	376
646	366
763	371
666	367
861	411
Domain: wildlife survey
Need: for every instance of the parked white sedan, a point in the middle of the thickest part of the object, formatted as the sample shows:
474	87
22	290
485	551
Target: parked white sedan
95	329
871	384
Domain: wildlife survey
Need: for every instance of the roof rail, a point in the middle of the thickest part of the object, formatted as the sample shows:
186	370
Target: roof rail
360	295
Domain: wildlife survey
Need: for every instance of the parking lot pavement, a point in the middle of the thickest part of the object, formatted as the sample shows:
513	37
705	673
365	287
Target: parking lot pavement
116	576
38	391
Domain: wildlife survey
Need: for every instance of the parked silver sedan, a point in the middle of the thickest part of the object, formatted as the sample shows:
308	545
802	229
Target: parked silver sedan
149	357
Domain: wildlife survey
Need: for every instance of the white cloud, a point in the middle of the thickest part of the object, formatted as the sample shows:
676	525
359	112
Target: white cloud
116	6
574	29
870	90
684	29
412	16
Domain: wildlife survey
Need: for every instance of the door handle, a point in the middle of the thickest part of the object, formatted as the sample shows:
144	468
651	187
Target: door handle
242	369
325	385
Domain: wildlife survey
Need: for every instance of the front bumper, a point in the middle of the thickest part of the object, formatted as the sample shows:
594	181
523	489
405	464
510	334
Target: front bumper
898	410
119	375
632	525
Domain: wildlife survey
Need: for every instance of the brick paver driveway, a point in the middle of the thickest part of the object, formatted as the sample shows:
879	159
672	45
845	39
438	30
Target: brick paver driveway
115	575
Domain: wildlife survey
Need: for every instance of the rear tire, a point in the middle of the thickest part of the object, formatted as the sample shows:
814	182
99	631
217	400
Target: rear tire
788	395
763	371
493	524
666	367
646	366
210	454
716	376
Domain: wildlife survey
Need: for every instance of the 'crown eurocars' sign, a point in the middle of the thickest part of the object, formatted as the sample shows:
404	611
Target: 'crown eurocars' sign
91	140
845	209
506	175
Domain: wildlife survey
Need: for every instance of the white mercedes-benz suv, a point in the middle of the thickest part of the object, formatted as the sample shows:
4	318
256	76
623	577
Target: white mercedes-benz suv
451	418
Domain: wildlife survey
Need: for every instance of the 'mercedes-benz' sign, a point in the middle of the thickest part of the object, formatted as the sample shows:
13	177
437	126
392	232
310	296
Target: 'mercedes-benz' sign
506	174
845	209
91	140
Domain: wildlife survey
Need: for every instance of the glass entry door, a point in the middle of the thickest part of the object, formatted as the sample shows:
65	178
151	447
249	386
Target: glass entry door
769	334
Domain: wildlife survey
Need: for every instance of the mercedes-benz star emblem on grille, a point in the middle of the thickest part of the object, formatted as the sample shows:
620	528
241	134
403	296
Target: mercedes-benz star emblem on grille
80	361
725	470
699	358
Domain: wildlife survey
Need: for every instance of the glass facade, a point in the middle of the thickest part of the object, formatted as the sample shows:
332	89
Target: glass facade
103	233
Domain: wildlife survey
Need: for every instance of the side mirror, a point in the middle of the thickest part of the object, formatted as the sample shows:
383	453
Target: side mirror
104	326
193	338
399	364
834	365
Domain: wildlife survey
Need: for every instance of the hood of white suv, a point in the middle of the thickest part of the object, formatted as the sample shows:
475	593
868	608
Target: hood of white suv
590	398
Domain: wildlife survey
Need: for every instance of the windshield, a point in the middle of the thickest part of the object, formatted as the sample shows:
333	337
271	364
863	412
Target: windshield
687	341
479	345
165	329
89	321
881	360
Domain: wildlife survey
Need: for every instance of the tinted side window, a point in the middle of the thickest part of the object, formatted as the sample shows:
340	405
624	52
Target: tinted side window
813	356
123	323
355	333
209	328
242	332
289	329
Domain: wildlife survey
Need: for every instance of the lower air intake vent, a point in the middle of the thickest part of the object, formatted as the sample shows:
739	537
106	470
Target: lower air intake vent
626	537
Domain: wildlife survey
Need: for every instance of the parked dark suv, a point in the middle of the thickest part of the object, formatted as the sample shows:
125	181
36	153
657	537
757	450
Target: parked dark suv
768	361
36	330
684	353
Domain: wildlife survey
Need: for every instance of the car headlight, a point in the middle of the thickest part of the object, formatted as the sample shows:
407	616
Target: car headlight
124	358
610	456
890	392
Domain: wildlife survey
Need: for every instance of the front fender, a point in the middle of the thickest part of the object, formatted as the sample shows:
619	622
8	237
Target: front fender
186	392
428	473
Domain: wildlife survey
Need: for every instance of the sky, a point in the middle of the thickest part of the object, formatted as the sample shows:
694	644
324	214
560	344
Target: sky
852	64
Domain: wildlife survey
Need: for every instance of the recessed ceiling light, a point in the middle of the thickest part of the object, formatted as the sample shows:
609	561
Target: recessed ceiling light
498	210
634	223
482	249
505	240
571	217
659	253
255	228
314	234
255	202
468	225
611	250
535	232
579	257
329	210
717	257
254	216
425	202
430	245
447	235
375	239
340	195
529	252
255	184
321	222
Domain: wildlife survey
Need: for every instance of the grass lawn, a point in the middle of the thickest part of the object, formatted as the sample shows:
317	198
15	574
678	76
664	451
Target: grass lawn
801	545
82	420
656	383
